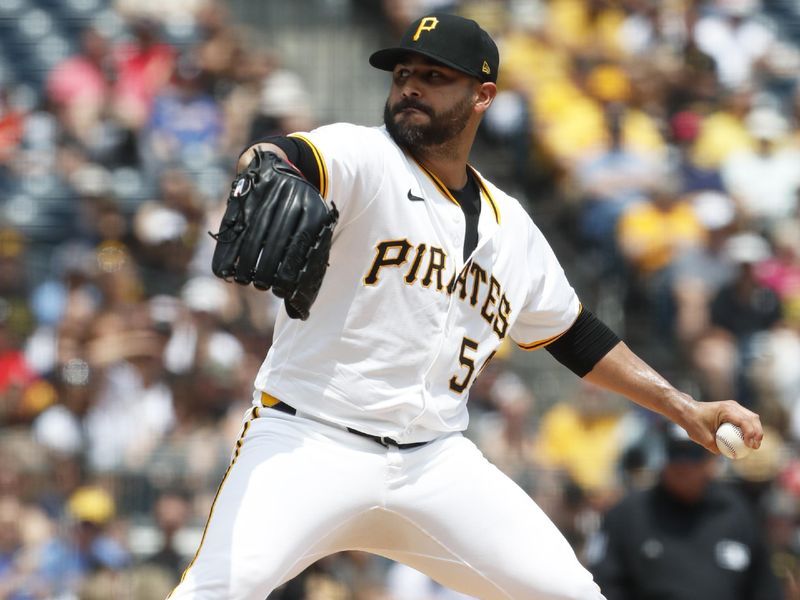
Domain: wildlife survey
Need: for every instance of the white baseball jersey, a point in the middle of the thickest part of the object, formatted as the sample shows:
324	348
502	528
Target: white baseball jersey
403	324
399	331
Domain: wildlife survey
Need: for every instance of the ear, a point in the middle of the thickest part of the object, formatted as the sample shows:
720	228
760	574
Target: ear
484	96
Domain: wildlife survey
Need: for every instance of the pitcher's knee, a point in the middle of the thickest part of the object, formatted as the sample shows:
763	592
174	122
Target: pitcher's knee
576	584
219	589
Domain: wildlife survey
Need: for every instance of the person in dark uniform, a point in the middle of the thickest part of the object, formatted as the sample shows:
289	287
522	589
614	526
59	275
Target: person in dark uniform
689	537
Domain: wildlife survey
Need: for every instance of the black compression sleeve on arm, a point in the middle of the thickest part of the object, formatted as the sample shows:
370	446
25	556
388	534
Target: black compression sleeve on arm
298	153
583	344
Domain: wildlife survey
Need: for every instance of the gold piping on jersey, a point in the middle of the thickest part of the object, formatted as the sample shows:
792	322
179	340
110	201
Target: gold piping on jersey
447	194
238	447
323	171
437	182
486	193
550	340
268	400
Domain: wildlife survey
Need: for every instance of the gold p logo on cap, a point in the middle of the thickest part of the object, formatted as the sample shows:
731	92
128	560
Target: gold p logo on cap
485	68
426	24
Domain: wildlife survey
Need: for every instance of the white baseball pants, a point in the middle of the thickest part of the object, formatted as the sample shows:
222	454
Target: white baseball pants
298	490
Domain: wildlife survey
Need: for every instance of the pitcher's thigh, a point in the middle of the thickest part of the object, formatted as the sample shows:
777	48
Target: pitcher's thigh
283	504
494	541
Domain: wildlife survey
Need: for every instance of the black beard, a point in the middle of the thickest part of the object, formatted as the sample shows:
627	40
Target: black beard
442	128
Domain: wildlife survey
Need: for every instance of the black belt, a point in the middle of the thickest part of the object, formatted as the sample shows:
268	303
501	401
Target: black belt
383	441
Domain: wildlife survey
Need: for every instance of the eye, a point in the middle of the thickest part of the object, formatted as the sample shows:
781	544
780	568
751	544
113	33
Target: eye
401	73
436	76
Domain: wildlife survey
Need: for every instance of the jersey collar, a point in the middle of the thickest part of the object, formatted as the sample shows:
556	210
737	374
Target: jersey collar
487	196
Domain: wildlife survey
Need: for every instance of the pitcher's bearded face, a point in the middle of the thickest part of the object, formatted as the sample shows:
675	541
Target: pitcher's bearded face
414	125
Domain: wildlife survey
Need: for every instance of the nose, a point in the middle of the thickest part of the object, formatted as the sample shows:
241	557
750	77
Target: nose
409	92
409	89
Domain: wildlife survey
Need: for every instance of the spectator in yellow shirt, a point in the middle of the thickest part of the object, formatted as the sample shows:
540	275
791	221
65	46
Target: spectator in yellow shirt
650	235
584	436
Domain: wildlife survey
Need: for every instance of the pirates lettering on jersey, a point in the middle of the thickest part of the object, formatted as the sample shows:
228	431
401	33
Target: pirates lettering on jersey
472	283
436	263
391	253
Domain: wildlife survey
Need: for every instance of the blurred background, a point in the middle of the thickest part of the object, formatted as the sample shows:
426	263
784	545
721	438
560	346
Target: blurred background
656	143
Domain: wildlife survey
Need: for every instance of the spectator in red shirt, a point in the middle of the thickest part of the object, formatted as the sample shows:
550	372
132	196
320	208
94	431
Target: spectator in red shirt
16	375
781	273
79	87
143	66
12	121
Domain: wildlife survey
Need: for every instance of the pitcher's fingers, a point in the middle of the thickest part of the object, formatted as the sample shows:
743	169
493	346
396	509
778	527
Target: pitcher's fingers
750	424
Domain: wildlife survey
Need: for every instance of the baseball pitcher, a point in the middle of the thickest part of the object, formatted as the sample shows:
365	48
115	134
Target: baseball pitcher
402	270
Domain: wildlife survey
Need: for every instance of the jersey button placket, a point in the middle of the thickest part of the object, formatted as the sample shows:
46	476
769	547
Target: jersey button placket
457	234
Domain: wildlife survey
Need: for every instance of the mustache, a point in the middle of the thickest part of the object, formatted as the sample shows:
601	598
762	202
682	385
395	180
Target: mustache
411	103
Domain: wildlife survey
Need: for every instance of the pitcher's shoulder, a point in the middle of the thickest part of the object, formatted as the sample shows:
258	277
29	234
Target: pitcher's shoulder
349	139
350	132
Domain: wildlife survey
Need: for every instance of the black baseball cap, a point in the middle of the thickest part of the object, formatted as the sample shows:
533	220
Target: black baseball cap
451	40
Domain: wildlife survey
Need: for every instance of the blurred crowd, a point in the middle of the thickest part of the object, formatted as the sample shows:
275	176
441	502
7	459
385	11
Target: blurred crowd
662	137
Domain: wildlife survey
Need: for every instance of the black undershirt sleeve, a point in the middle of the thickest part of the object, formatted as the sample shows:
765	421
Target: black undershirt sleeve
583	344
299	154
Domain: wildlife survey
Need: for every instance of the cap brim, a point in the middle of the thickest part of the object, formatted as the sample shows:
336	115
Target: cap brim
387	59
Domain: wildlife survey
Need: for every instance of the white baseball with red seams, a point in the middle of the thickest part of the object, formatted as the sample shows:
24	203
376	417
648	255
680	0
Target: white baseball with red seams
730	441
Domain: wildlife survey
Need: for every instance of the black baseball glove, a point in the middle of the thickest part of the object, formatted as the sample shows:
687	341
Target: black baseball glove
276	233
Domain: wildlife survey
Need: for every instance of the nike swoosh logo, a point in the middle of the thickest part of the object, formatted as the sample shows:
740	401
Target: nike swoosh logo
414	198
